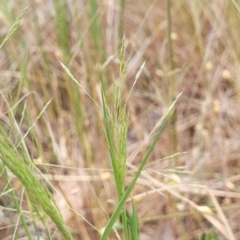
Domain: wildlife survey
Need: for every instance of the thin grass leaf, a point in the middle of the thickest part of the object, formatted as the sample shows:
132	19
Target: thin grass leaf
133	225
135	80
75	80
236	5
116	124
6	192
38	194
34	123
62	26
109	136
137	174
16	163
4	175
14	27
95	28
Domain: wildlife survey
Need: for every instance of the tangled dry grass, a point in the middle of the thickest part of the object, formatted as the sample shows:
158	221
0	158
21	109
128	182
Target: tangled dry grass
185	196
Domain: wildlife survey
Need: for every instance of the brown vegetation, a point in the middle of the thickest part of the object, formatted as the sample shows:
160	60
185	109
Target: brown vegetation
180	197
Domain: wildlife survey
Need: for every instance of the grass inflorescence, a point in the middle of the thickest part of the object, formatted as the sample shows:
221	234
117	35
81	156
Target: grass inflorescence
119	120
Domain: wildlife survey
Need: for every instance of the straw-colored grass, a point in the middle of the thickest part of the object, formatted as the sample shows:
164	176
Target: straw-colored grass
95	142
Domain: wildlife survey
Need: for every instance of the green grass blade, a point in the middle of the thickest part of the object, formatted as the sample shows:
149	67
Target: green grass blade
38	194
18	161
109	137
129	189
121	20
14	27
10	190
119	174
62	26
78	84
133	225
95	28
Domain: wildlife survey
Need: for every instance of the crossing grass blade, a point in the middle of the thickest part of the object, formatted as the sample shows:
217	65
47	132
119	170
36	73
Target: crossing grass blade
133	223
18	161
121	204
14	27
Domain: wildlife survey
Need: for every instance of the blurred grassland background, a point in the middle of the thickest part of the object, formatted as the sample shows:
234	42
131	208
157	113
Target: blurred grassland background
186	46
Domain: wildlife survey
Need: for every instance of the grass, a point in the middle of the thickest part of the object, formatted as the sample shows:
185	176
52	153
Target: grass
119	121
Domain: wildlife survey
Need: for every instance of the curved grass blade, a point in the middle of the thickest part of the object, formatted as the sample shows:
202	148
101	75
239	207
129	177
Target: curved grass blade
39	195
14	27
146	157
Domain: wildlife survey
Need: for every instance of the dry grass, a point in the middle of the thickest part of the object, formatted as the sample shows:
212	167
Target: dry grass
181	197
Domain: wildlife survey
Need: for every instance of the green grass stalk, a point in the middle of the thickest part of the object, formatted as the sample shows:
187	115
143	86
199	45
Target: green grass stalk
8	189
38	194
171	86
62	26
116	127
137	174
14	27
121	25
18	161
